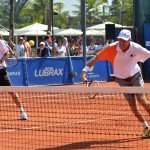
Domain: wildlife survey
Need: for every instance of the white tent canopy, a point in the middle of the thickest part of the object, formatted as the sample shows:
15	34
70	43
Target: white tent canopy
35	29
34	33
92	32
4	32
35	26
69	32
102	26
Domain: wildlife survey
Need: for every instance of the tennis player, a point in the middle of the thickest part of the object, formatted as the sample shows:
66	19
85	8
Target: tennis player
5	81
124	56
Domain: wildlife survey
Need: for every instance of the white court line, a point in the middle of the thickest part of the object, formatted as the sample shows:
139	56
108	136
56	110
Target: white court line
63	124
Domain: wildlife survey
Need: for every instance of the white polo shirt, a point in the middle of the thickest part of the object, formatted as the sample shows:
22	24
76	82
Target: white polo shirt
124	63
3	50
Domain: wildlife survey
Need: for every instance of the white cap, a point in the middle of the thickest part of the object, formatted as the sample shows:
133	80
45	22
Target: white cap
42	43
124	34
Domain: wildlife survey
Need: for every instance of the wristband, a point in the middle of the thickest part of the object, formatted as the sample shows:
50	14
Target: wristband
86	68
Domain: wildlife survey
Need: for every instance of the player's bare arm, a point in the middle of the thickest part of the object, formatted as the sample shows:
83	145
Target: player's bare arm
89	64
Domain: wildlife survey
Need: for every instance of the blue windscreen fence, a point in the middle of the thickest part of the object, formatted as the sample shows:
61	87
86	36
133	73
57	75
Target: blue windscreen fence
55	71
146	65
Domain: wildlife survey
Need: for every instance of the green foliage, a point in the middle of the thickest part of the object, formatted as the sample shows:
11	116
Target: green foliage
30	11
115	10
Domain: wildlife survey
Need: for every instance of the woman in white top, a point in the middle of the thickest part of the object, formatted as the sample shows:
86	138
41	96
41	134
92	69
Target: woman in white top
65	42
60	51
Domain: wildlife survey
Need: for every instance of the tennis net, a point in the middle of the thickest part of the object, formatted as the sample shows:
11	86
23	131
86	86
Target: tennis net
65	118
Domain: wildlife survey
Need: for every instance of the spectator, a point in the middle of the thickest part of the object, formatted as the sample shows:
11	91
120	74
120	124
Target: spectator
46	41
50	39
101	44
20	48
79	38
65	42
92	47
80	49
55	43
72	48
60	50
43	51
28	47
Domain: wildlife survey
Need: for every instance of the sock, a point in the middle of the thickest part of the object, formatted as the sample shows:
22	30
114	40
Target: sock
145	124
21	108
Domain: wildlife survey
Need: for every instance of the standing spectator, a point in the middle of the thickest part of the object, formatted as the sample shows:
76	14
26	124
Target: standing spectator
79	38
20	48
43	50
46	41
72	47
60	50
92	47
65	42
101	44
26	44
50	39
80	49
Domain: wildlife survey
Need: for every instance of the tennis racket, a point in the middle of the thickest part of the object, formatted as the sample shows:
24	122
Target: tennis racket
92	83
8	61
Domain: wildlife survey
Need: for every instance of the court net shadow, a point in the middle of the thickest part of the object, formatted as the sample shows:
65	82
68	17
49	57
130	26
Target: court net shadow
96	144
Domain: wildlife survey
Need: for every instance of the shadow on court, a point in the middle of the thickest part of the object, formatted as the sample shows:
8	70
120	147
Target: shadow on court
97	144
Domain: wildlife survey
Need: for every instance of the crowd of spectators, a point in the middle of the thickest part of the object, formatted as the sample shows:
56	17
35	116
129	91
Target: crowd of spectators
69	46
60	47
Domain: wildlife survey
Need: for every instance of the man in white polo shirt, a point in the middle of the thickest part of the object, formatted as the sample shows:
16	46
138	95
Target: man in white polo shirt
124	56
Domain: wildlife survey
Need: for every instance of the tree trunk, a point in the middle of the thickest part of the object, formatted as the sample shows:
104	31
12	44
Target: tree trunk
12	19
122	13
49	13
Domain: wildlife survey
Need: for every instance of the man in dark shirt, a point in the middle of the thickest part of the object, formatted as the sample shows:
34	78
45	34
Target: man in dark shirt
43	51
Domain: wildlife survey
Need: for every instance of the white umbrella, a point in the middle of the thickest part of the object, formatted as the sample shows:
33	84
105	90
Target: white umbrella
4	32
34	33
95	32
34	29
102	26
69	32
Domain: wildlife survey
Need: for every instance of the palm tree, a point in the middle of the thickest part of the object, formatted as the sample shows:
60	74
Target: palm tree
93	12
39	11
36	9
122	12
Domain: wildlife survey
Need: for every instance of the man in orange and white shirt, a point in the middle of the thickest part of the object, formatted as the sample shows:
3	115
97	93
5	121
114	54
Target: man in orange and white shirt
124	56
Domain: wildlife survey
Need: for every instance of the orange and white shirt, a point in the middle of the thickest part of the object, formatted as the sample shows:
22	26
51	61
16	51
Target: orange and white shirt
124	63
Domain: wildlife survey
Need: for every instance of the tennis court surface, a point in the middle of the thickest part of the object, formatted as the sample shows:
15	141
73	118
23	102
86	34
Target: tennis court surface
64	118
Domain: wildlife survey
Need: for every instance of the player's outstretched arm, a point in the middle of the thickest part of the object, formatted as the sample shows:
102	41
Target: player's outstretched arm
89	64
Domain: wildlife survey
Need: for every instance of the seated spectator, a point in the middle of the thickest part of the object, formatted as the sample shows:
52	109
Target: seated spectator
92	47
43	51
59	50
101	44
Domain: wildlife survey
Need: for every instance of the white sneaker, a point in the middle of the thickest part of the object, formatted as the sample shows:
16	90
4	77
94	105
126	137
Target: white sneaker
23	115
